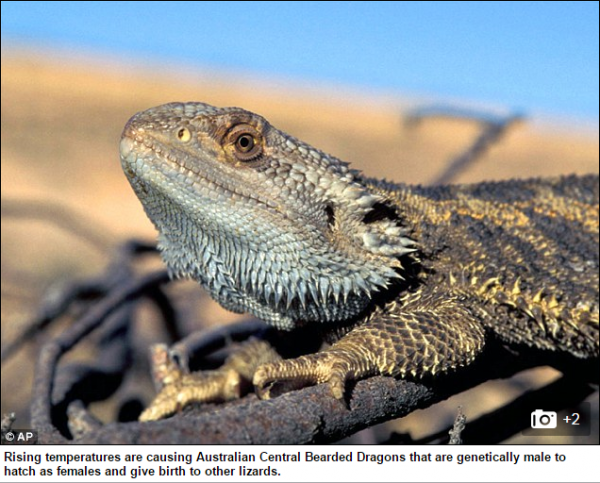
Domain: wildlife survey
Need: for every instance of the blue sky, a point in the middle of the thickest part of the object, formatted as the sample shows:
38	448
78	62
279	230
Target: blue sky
534	56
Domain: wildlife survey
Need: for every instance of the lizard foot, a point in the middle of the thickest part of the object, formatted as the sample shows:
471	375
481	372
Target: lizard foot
331	367
178	388
197	387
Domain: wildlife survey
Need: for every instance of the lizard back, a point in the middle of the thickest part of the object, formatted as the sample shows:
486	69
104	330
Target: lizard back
525	252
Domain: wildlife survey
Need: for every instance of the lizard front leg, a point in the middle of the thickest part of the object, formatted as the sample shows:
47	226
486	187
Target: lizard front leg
412	339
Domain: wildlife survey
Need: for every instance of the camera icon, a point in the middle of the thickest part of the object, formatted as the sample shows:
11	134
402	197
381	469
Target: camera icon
541	419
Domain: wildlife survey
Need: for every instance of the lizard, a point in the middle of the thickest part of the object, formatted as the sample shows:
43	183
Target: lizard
398	280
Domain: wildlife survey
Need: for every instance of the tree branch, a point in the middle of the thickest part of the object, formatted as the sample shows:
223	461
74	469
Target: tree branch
493	127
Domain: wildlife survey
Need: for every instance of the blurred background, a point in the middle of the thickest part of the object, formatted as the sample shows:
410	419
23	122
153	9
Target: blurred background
342	76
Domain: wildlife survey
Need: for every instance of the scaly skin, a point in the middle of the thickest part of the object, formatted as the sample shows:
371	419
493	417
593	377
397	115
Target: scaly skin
404	280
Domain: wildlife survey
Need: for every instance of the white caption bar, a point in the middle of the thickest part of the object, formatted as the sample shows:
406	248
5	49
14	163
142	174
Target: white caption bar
295	464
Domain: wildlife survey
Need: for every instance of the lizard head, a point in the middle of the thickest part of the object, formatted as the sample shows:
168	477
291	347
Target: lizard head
265	222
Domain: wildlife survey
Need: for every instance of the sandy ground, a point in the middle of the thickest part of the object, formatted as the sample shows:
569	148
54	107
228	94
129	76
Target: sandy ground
61	121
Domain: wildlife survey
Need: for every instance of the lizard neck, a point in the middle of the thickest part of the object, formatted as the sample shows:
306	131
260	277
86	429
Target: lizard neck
286	274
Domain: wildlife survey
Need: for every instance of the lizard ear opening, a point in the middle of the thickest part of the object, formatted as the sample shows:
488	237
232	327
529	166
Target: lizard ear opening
329	211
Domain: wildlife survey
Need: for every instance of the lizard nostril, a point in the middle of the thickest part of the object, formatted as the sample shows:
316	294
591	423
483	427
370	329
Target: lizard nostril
184	134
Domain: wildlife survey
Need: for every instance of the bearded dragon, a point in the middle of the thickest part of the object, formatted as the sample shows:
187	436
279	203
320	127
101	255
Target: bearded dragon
403	281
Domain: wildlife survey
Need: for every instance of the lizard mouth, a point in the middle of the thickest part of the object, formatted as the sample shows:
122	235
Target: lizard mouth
147	161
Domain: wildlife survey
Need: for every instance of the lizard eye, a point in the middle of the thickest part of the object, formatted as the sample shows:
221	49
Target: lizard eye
246	141
184	134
